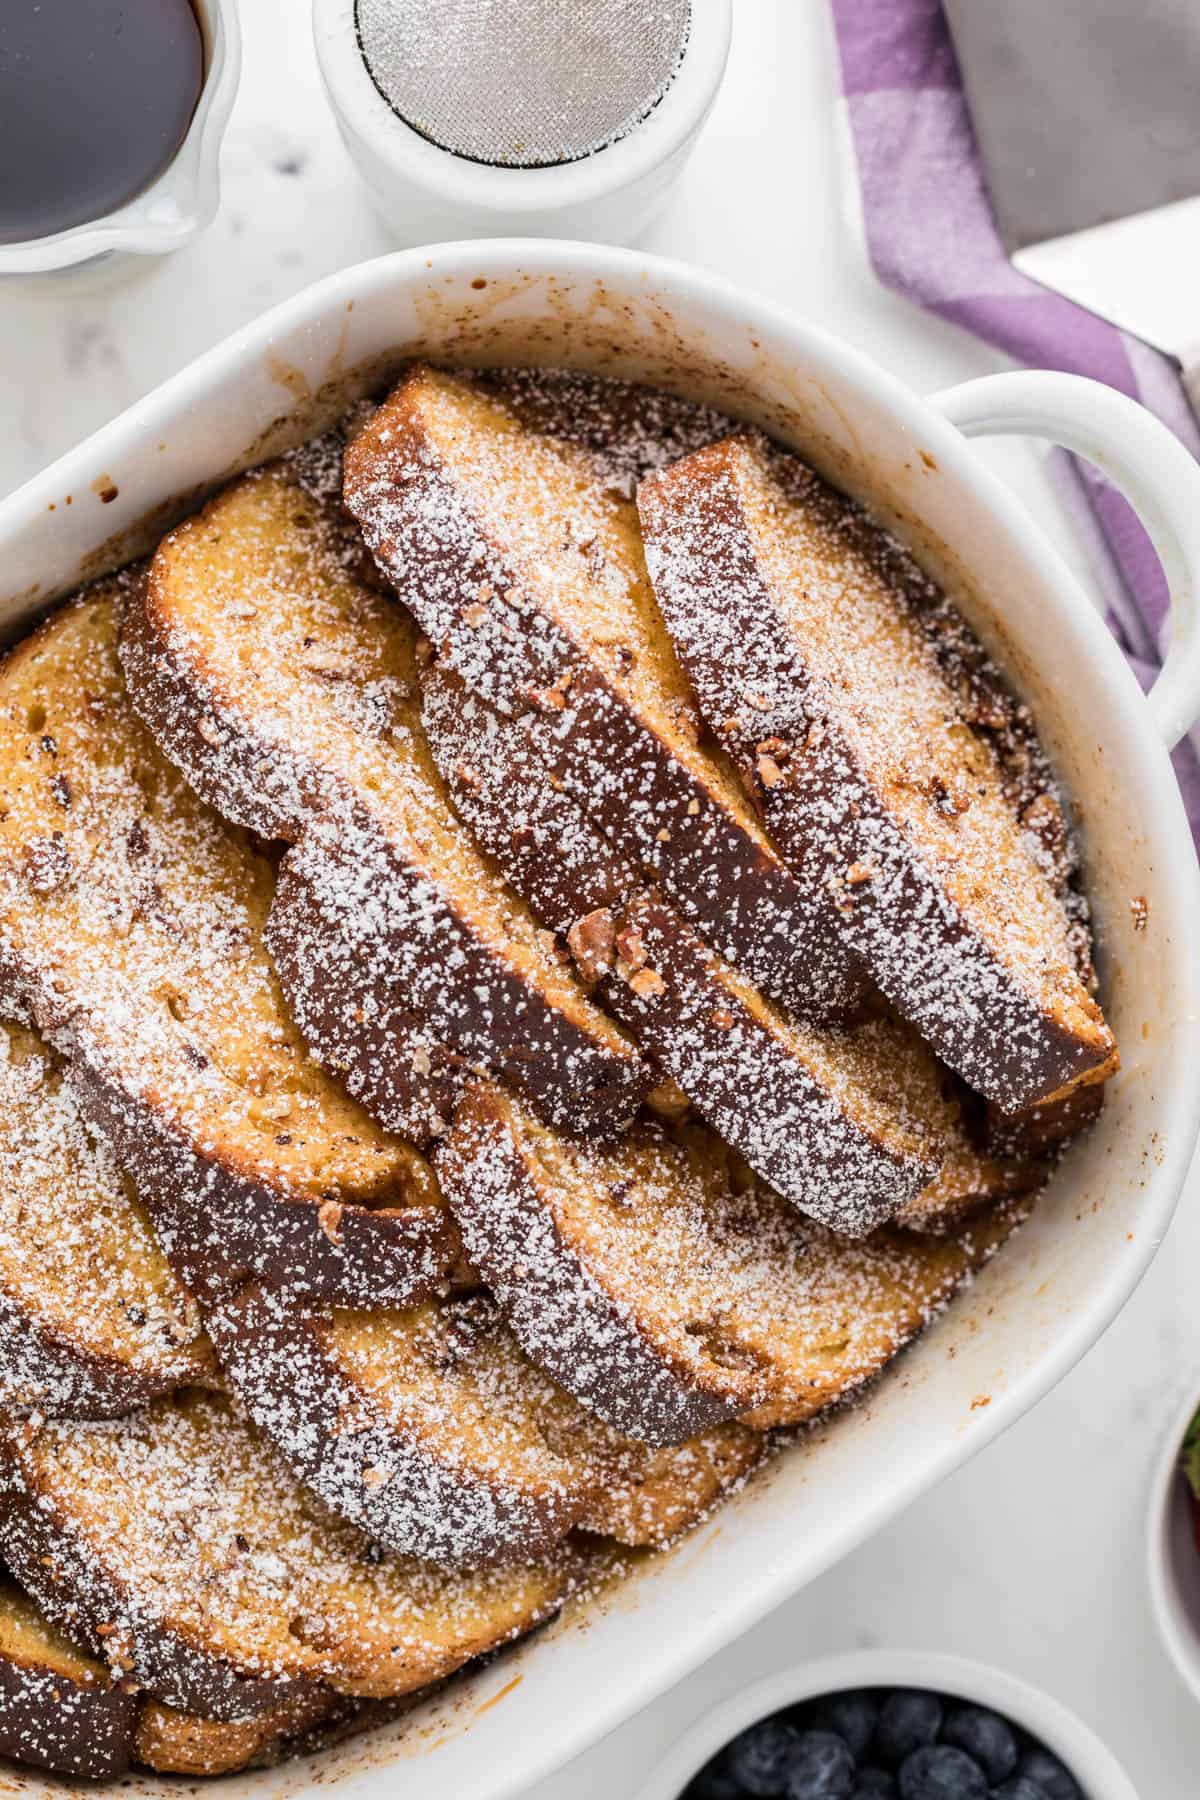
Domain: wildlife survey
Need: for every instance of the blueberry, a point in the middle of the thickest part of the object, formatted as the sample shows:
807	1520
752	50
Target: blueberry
1057	1782
760	1758
908	1720
851	1715
985	1736
714	1782
941	1772
874	1784
1020	1788
821	1768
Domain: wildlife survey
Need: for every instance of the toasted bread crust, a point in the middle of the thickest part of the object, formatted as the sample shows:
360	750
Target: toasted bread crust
59	1709
364	1030
763	1083
565	1318
62	1710
48	1371
667	1290
218	1223
374	1451
359	1404
179	1549
441	527
84	1599
125	904
336	879
345	781
92	1320
732	587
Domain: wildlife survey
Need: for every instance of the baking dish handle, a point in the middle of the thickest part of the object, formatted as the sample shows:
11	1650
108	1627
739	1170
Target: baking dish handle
1141	457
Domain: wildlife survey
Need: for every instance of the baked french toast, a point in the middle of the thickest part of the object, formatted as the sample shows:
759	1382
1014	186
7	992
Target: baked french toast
667	1289
853	1124
432	1431
61	1709
454	1137
93	1321
178	1548
285	688
132	925
881	795
524	567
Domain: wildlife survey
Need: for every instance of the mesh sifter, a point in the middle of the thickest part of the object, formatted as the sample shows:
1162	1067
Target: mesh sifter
523	84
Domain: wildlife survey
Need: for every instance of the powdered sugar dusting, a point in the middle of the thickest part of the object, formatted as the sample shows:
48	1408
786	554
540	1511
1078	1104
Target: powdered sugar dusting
131	927
665	1287
217	1574
885	799
253	626
526	570
91	1318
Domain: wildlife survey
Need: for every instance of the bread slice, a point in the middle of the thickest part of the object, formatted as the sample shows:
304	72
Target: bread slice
178	1547
286	690
879	793
431	1430
524	566
664	1287
132	924
63	1710
59	1709
173	1742
92	1320
852	1124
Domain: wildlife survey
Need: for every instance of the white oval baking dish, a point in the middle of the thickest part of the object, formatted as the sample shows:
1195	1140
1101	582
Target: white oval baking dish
1059	1284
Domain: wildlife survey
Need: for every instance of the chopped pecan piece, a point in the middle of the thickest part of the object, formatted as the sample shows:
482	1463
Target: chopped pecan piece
592	941
329	1218
631	950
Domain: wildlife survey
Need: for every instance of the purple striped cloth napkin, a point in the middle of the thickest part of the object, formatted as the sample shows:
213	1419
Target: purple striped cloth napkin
931	236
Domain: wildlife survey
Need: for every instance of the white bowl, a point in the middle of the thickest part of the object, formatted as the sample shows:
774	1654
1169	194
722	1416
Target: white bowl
1097	1771
184	198
423	192
1173	1559
1055	1288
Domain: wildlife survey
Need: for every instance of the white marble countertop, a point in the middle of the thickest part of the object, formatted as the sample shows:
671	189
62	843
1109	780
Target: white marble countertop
1033	1556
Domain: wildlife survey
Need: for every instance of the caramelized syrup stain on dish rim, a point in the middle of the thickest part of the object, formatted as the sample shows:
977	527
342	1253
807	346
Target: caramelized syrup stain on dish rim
95	101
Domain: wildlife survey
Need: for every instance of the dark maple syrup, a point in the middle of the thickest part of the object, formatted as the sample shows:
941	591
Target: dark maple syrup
95	99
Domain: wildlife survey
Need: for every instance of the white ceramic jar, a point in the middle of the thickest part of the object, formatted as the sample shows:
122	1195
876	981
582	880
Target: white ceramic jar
424	192
182	200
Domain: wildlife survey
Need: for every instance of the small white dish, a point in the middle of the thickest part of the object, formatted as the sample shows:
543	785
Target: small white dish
1094	1767
1173	1556
424	193
184	198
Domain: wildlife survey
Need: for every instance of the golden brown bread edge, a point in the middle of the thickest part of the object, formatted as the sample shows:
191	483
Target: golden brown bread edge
75	828
385	1438
178	1549
92	1320
667	1290
766	1085
667	806
62	1710
364	892
432	1431
731	606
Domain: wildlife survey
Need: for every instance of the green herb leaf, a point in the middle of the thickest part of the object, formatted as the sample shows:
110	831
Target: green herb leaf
1189	1455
